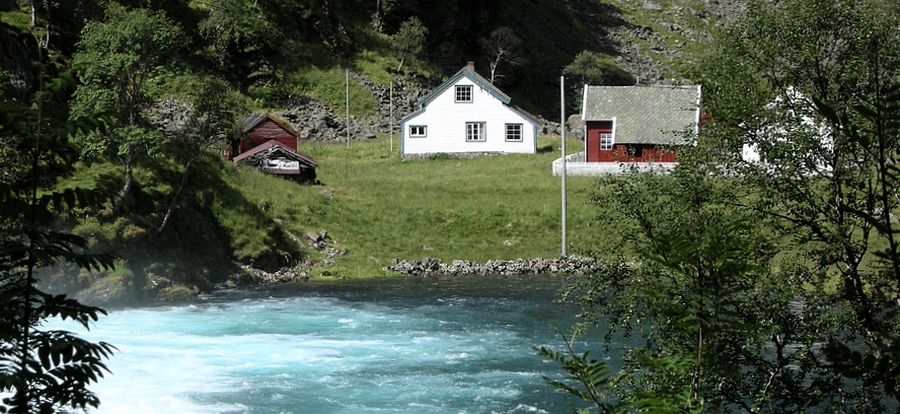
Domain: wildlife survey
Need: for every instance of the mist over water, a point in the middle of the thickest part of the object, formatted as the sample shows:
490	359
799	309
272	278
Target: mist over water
461	345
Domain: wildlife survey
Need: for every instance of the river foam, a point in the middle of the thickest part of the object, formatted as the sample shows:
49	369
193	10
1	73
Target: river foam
381	347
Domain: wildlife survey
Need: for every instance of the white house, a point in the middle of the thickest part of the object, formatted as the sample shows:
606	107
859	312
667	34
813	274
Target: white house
467	114
791	105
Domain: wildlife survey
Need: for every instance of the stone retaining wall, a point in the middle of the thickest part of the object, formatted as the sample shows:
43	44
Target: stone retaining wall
430	266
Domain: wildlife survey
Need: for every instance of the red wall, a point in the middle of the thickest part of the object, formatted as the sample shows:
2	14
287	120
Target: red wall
594	129
622	152
265	131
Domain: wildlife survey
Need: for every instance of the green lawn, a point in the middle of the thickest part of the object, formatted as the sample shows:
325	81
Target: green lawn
386	208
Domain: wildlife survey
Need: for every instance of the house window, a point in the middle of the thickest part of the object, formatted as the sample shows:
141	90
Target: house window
475	131
637	151
513	132
606	142
464	93
417	131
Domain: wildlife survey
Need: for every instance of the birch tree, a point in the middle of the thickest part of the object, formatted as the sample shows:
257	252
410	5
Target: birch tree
122	57
502	45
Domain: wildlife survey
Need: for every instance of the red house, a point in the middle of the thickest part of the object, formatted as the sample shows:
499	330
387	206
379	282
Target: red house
638	123
272	147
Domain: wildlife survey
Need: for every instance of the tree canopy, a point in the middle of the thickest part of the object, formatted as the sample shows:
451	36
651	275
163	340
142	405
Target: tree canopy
769	284
122	58
409	40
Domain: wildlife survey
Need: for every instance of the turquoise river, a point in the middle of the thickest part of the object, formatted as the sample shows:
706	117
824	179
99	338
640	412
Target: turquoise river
417	345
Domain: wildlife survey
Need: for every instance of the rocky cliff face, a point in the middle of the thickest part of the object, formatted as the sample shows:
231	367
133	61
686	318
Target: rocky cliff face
660	34
17	50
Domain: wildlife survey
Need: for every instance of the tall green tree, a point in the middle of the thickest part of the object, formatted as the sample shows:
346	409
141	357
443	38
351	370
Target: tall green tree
829	141
44	370
241	35
812	85
124	58
409	40
718	333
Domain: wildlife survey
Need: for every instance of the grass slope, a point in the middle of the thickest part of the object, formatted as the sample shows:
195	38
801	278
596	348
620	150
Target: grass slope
380	207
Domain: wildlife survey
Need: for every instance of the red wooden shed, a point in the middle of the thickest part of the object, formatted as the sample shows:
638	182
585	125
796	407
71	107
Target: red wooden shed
638	123
272	147
258	129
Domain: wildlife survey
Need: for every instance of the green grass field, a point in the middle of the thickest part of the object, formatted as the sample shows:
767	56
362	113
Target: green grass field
380	207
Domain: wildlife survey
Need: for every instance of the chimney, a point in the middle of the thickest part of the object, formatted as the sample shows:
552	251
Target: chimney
470	66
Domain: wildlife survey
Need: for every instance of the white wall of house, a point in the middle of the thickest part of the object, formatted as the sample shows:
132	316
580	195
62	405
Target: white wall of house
445	122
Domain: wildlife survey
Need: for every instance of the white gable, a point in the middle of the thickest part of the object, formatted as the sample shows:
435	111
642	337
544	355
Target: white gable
443	120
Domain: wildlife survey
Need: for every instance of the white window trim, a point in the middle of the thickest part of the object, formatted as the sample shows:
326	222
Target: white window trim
482	133
521	132
456	93
612	142
415	135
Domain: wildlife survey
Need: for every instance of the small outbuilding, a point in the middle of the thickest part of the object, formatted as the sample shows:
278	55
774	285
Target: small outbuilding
638	123
467	114
272	147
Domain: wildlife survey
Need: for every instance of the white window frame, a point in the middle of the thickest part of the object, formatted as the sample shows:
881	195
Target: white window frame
475	132
514	132
606	141
414	133
463	93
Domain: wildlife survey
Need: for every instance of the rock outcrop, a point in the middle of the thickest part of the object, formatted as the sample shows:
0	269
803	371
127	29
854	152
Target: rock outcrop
18	51
316	121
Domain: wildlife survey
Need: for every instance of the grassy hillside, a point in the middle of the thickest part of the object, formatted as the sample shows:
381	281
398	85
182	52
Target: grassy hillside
380	207
372	204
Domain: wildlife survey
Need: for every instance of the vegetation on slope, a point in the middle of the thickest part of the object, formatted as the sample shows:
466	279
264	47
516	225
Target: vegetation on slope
258	53
372	203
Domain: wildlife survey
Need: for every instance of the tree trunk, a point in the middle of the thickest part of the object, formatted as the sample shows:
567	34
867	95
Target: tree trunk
184	175
122	201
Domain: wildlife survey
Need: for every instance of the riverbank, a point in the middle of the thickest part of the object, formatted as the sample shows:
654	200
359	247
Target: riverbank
427	267
238	226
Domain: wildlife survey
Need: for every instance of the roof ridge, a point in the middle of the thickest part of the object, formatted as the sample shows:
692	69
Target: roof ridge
470	73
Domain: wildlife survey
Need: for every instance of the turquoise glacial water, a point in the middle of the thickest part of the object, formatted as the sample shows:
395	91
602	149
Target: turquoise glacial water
456	346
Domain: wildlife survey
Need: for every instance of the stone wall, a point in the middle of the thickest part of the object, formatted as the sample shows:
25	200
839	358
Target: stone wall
434	267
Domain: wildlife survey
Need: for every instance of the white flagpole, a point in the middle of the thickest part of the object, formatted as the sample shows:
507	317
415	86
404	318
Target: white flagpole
562	134
391	117
347	83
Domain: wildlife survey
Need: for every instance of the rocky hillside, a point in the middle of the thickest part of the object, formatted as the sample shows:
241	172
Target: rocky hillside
654	42
662	37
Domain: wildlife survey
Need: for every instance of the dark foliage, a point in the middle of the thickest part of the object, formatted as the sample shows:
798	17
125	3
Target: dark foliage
45	370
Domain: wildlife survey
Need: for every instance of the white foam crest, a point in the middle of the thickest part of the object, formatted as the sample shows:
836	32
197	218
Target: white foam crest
321	354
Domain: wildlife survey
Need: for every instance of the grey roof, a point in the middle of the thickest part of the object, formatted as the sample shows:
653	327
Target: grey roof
251	120
644	114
